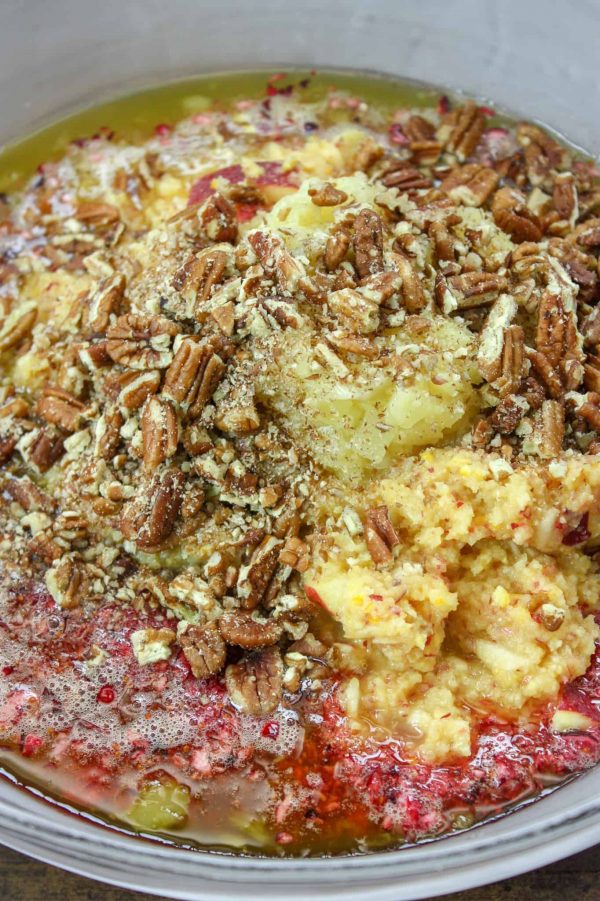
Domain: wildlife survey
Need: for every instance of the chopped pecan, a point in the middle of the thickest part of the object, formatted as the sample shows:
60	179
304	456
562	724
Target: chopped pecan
7	446
60	408
17	326
255	684
551	328
492	337
549	428
533	392
276	259
592	373
95	213
254	577
356	312
137	388
513	358
588	235
28	495
470	184
565	197
404	177
367	154
104	301
160	431
413	296
336	249
224	316
204	649
67	582
327	195
547	373
45	449
241	629
542	153
141	342
444	242
150	519
198	276
469	289
507	415
589	410
108	433
419	129
380	534
511	214
425	153
368	243
17	407
468	125
296	554
347	343
219	219
482	433
193	376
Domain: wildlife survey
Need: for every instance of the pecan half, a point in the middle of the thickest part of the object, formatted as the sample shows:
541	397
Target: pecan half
276	259
549	428
45	449
511	214
219	219
254	578
404	177
470	184
549	376
17	326
193	376
7	446
492	337
137	388
255	684
336	249
108	433
470	289
104	301
204	649
468	125
95	213
150	519
419	129
513	358
565	197
380	534
542	153
327	195
141	342
354	311
368	243
60	408
241	629
28	495
413	296
199	275
592	373
160	431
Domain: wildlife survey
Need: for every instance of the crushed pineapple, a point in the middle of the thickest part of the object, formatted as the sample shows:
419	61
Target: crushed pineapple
457	624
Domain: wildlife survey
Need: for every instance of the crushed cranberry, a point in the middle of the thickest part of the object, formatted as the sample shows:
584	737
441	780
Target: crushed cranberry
270	730
579	534
31	745
397	135
443	104
163	130
7	670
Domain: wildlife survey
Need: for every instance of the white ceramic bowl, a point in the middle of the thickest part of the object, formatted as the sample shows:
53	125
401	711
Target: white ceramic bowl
537	58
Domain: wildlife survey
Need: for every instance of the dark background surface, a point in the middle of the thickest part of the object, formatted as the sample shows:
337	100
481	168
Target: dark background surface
574	879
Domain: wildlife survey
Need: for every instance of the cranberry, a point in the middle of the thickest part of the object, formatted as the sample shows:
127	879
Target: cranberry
443	104
7	670
396	134
163	130
106	695
31	745
270	730
579	534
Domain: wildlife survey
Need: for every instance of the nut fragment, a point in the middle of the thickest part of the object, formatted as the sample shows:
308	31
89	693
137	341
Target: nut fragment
380	534
255	684
241	629
368	243
254	578
336	249
105	301
45	449
469	289
28	495
295	553
60	408
549	429
67	582
470	184
193	376
203	648
511	214
160	431
17	326
141	342
327	195
468	124
150	519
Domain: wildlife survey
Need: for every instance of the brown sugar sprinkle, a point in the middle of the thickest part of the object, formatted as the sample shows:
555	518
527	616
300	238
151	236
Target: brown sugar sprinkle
148	407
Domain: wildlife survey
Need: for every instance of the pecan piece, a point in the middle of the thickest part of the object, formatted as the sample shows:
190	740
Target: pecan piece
413	296
404	177
368	243
419	129
507	415
549	428
380	534
336	249
203	648
492	337
254	577
141	342
565	197
592	373
199	275
547	373
255	684
67	582
60	408
28	495
327	195
219	218
276	259
137	388
108	434
470	289
444	241
468	126
193	376
296	554
17	326
45	449
470	184
542	153
551	328
7	446
511	214
150	519
513	358
94	213
160	431
241	629
104	301
354	311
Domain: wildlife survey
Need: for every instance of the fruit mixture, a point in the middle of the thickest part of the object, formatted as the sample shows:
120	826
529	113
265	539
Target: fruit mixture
300	472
